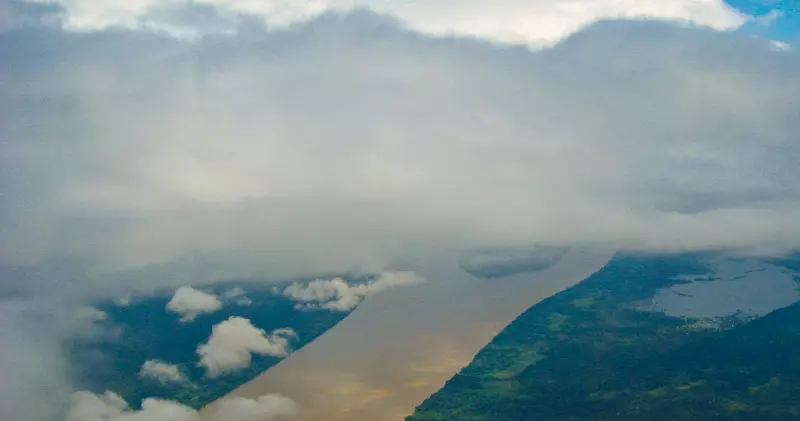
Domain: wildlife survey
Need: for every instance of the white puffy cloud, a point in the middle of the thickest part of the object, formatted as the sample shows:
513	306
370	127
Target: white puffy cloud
244	301
162	372
265	408
87	406
109	406
233	341
535	22
333	294
190	302
237	295
338	295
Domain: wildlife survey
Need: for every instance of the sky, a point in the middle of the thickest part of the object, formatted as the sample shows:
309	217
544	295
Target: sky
780	20
150	144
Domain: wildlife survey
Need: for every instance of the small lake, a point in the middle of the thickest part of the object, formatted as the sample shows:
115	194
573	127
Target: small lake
744	289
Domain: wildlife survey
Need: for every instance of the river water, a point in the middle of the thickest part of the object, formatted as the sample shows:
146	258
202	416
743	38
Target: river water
400	346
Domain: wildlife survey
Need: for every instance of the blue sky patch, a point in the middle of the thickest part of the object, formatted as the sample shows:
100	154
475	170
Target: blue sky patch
780	18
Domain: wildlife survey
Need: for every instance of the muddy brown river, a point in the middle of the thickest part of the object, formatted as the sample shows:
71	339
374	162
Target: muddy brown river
400	346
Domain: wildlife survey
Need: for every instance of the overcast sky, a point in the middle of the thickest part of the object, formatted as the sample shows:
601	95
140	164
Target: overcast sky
237	137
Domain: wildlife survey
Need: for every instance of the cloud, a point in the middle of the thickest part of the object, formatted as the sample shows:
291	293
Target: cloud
244	302
124	300
339	295
86	322
189	303
780	46
16	14
237	295
535	22
132	160
162	372
109	406
234	292
32	357
87	406
89	315
232	343
769	18
265	408
674	140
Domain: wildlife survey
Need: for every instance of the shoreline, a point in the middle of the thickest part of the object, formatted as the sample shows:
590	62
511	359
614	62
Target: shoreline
399	347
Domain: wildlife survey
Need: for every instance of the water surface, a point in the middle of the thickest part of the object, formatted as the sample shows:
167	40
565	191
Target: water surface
399	347
742	288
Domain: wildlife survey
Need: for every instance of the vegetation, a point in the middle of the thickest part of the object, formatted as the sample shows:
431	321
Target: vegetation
146	331
590	353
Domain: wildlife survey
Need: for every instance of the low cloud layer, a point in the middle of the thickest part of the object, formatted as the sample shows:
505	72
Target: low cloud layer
87	406
162	372
352	143
233	342
338	295
189	303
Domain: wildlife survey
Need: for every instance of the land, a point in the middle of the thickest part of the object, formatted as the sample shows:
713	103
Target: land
594	352
401	345
144	331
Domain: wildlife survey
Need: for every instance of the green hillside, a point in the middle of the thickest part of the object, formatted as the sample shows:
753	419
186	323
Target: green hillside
147	331
591	353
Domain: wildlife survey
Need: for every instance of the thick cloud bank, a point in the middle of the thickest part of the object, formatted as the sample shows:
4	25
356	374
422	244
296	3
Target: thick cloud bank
233	342
338	295
349	142
190	302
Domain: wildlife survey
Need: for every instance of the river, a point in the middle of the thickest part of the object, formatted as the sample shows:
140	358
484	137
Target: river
400	346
